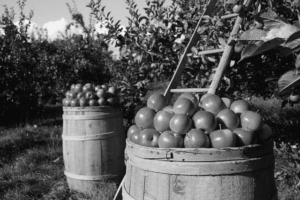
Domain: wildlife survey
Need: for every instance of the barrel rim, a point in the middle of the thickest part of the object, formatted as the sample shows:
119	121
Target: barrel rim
91	108
199	154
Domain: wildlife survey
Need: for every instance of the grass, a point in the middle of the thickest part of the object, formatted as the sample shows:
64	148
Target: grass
31	160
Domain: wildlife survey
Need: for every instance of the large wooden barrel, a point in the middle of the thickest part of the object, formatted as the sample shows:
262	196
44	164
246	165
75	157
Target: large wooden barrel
245	173
93	146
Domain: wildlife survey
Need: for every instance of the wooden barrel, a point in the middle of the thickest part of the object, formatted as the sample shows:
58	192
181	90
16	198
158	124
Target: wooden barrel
93	146
245	173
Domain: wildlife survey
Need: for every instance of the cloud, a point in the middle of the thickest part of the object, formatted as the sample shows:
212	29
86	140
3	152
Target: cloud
55	28
33	29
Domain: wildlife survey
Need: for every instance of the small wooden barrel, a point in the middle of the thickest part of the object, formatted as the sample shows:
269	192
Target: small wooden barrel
93	146
245	173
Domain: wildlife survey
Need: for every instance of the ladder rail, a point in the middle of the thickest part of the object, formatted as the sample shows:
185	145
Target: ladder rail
181	65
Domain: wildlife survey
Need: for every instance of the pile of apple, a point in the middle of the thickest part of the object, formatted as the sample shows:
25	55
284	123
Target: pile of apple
214	122
81	95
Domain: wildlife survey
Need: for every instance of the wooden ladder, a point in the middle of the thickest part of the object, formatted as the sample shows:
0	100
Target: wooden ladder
227	52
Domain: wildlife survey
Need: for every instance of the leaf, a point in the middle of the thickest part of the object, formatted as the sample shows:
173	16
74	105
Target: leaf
288	81
253	34
284	103
296	3
256	48
269	18
297	64
222	42
231	1
293	37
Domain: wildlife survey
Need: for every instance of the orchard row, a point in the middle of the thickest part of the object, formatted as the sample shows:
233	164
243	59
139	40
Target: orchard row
213	122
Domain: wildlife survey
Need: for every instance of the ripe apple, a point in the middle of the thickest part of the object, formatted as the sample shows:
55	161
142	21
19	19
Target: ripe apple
184	106
72	87
112	90
133	129
79	95
90	95
191	97
93	102
206	121
168	108
149	138
157	101
196	138
244	137
227	101
134	137
102	101
73	95
203	97
228	119
89	87
75	102
66	102
101	93
265	133
213	103
222	138
251	120
68	94
237	8
239	106
78	87
83	102
114	100
180	124
162	120
105	87
144	118
97	87
169	139
294	98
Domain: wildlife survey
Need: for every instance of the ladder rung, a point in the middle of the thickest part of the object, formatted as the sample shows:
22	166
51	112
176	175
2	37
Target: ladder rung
182	90
229	16
210	52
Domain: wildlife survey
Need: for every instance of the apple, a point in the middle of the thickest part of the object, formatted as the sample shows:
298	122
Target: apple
196	138
105	87
78	87
75	103
83	102
90	95
72	87
222	138
113	100
112	90
149	138
101	93
227	101
66	102
228	119
73	95
203	97
294	98
184	106
133	129
251	120
239	106
144	118
168	108
213	103
157	101
162	120
237	8
134	137
79	95
102	101
264	133
191	97
68	94
89	87
205	121
93	102
180	124
97	87
169	139
244	137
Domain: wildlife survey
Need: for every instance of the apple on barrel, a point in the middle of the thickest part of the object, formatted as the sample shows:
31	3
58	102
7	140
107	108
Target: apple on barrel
81	95
214	122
